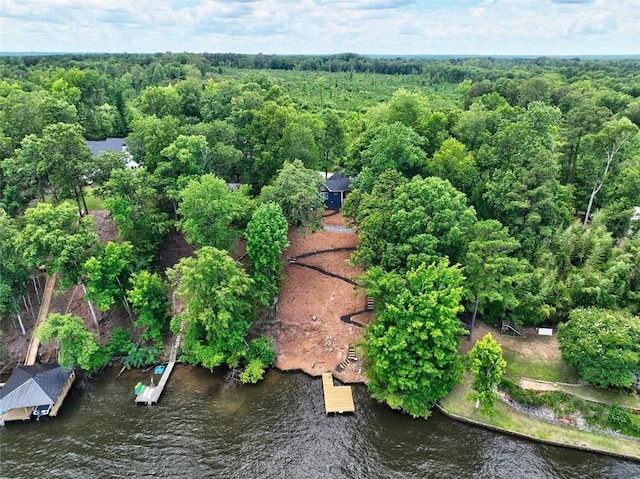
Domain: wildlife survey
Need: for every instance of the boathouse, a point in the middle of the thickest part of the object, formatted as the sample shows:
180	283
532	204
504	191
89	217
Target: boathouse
37	390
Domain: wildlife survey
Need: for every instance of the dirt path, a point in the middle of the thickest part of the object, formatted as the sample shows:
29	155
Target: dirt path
308	332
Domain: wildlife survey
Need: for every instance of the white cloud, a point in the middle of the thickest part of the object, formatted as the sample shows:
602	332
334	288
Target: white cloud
490	27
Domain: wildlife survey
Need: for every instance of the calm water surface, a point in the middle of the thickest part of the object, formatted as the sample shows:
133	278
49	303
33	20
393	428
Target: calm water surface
276	429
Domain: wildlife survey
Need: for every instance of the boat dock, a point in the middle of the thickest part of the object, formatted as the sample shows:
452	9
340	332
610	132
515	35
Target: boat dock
151	394
337	399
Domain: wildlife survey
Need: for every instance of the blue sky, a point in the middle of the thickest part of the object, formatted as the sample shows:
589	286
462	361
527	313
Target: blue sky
397	27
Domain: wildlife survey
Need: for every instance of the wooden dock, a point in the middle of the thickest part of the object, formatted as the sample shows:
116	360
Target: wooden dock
151	394
336	398
34	344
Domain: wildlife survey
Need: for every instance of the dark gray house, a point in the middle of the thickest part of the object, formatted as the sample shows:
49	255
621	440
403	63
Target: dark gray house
335	190
39	390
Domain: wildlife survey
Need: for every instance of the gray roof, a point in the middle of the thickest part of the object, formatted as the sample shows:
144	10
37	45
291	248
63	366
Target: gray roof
110	144
337	182
36	385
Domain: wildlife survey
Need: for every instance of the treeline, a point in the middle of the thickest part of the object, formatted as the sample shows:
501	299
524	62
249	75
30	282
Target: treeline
174	66
521	174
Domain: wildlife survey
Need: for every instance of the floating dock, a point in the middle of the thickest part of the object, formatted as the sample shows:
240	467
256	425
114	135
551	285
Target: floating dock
337	399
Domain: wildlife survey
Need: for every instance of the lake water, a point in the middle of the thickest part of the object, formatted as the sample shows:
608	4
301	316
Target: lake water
276	429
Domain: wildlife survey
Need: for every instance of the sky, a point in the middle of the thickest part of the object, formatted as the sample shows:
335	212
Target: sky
389	27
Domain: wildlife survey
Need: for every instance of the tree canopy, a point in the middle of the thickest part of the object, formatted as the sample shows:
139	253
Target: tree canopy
266	236
211	214
218	308
402	225
297	190
78	347
411	345
602	345
57	238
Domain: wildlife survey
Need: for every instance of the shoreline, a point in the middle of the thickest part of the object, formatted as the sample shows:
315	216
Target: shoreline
611	446
550	442
514	432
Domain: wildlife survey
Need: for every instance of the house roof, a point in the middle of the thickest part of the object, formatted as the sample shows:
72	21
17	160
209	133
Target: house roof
337	182
36	385
110	144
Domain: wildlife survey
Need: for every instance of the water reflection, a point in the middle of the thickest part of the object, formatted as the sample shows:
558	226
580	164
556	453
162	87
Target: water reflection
275	429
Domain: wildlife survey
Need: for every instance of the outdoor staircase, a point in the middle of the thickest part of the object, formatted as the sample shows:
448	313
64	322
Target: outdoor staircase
369	302
174	351
351	356
509	328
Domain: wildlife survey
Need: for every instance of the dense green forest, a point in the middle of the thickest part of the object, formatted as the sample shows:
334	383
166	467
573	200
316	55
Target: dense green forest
509	184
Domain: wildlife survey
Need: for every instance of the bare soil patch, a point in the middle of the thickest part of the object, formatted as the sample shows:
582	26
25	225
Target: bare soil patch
308	332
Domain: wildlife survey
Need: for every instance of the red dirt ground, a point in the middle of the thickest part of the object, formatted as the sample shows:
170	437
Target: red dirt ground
319	345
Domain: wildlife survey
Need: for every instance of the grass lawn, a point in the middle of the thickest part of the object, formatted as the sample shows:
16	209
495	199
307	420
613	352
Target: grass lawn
509	419
93	202
541	367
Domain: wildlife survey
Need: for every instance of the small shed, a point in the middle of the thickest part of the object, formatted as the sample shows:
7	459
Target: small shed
39	389
335	190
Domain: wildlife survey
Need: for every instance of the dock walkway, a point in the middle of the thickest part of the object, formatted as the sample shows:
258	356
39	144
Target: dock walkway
336	398
151	394
34	344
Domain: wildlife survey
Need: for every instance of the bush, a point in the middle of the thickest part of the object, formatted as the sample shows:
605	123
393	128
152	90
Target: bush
560	402
139	356
624	420
119	343
519	395
253	372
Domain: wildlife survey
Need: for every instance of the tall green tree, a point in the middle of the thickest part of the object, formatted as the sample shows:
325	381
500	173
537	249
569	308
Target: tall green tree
332	141
419	221
108	274
266	236
522	188
160	101
600	153
386	147
133	201
218	311
211	214
454	163
490	268
487	366
297	190
77	346
411	345
13	270
66	161
148	298
56	237
149	136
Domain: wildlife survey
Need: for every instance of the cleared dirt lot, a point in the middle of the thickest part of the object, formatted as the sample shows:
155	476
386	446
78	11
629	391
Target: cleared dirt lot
308	331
